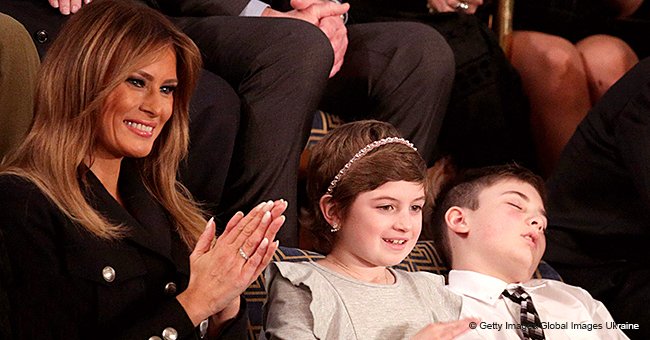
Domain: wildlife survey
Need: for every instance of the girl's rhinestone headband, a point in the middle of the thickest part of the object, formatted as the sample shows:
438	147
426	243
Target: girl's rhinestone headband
363	152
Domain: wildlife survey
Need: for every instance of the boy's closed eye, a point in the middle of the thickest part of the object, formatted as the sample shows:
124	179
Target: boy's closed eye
515	205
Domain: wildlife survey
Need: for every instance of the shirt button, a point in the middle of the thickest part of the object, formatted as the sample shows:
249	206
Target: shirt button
108	273
170	288
170	334
41	36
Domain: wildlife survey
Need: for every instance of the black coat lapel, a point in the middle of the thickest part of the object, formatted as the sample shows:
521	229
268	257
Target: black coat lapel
146	221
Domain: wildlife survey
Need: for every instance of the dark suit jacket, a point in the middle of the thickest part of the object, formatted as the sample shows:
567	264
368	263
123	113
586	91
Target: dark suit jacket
198	8
599	194
39	18
60	285
43	22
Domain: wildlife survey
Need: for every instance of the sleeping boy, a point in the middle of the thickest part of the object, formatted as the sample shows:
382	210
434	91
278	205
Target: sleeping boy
490	225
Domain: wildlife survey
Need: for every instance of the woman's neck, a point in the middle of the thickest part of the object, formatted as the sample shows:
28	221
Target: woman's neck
372	274
107	170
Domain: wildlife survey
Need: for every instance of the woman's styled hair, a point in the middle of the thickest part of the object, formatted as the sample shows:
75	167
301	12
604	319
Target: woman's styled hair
394	161
464	192
98	49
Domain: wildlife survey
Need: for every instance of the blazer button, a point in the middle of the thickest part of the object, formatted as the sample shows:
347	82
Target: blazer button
108	273
170	288
41	36
170	334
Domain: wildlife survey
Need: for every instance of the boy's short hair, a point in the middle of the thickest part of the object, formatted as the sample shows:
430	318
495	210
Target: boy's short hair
464	190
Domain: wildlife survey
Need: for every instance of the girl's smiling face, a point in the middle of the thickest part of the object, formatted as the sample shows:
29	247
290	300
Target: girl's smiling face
382	226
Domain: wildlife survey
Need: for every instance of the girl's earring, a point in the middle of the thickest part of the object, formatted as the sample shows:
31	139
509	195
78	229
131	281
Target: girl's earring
335	227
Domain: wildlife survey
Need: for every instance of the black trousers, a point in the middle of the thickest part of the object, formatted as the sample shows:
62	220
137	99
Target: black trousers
487	121
396	72
247	135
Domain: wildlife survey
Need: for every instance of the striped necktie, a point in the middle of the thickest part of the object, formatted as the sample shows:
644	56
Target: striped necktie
531	325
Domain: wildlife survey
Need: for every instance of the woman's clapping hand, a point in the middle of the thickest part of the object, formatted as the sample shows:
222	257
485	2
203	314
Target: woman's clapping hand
221	270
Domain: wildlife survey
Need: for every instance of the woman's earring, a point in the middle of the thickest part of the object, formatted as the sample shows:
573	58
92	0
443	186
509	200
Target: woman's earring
335	227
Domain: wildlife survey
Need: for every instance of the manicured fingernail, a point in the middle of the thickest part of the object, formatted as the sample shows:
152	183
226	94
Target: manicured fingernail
75	8
259	206
266	217
55	4
277	243
264	243
210	221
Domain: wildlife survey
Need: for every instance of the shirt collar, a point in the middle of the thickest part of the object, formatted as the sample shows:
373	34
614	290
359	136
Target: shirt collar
484	288
475	285
528	285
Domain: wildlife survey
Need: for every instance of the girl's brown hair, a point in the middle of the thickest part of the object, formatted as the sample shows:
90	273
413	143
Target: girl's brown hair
386	163
98	48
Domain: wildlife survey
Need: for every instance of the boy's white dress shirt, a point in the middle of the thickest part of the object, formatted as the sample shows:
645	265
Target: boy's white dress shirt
566	312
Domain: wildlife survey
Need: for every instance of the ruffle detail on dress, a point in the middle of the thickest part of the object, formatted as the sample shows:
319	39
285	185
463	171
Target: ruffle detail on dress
327	309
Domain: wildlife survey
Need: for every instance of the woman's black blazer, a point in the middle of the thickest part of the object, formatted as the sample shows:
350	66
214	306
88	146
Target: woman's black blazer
64	283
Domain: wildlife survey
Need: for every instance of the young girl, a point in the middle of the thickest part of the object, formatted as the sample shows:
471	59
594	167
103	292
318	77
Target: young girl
367	189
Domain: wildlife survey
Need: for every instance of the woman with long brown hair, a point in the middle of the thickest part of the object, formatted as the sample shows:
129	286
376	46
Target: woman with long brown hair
97	229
